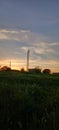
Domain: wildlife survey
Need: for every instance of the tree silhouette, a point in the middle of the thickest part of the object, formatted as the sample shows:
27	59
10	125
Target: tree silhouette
5	68
46	71
22	70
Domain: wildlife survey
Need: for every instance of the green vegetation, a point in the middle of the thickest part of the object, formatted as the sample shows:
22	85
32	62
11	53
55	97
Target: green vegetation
29	101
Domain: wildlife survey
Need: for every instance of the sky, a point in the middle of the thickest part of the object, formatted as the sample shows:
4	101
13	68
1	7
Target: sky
33	25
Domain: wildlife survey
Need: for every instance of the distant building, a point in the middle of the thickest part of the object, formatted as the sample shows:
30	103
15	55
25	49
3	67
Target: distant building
56	73
34	70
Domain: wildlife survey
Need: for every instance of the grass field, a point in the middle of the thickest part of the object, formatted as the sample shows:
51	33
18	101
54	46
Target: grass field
29	101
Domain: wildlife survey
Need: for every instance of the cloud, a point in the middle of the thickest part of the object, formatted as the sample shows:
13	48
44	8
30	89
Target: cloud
15	43
54	44
27	39
8	31
3	36
20	36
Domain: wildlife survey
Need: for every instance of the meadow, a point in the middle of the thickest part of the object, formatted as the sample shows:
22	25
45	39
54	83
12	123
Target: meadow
29	101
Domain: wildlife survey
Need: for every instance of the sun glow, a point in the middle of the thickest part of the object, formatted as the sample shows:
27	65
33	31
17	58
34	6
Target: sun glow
17	64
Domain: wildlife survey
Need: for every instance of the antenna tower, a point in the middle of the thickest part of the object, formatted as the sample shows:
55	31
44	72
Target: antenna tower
28	59
10	64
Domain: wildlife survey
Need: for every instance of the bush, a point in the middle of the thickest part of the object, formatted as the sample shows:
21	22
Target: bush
46	71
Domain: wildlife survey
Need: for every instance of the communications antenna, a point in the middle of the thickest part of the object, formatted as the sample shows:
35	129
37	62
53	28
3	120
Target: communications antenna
28	59
10	64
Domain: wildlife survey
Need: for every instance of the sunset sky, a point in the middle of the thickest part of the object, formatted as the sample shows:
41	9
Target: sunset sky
33	25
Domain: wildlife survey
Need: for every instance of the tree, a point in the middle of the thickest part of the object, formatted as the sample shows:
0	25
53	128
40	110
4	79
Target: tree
22	70
5	68
46	71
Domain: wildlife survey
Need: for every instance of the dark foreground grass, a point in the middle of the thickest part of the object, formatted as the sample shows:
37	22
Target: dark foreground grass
29	101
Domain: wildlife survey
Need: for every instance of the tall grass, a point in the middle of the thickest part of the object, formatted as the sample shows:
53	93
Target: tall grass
29	102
